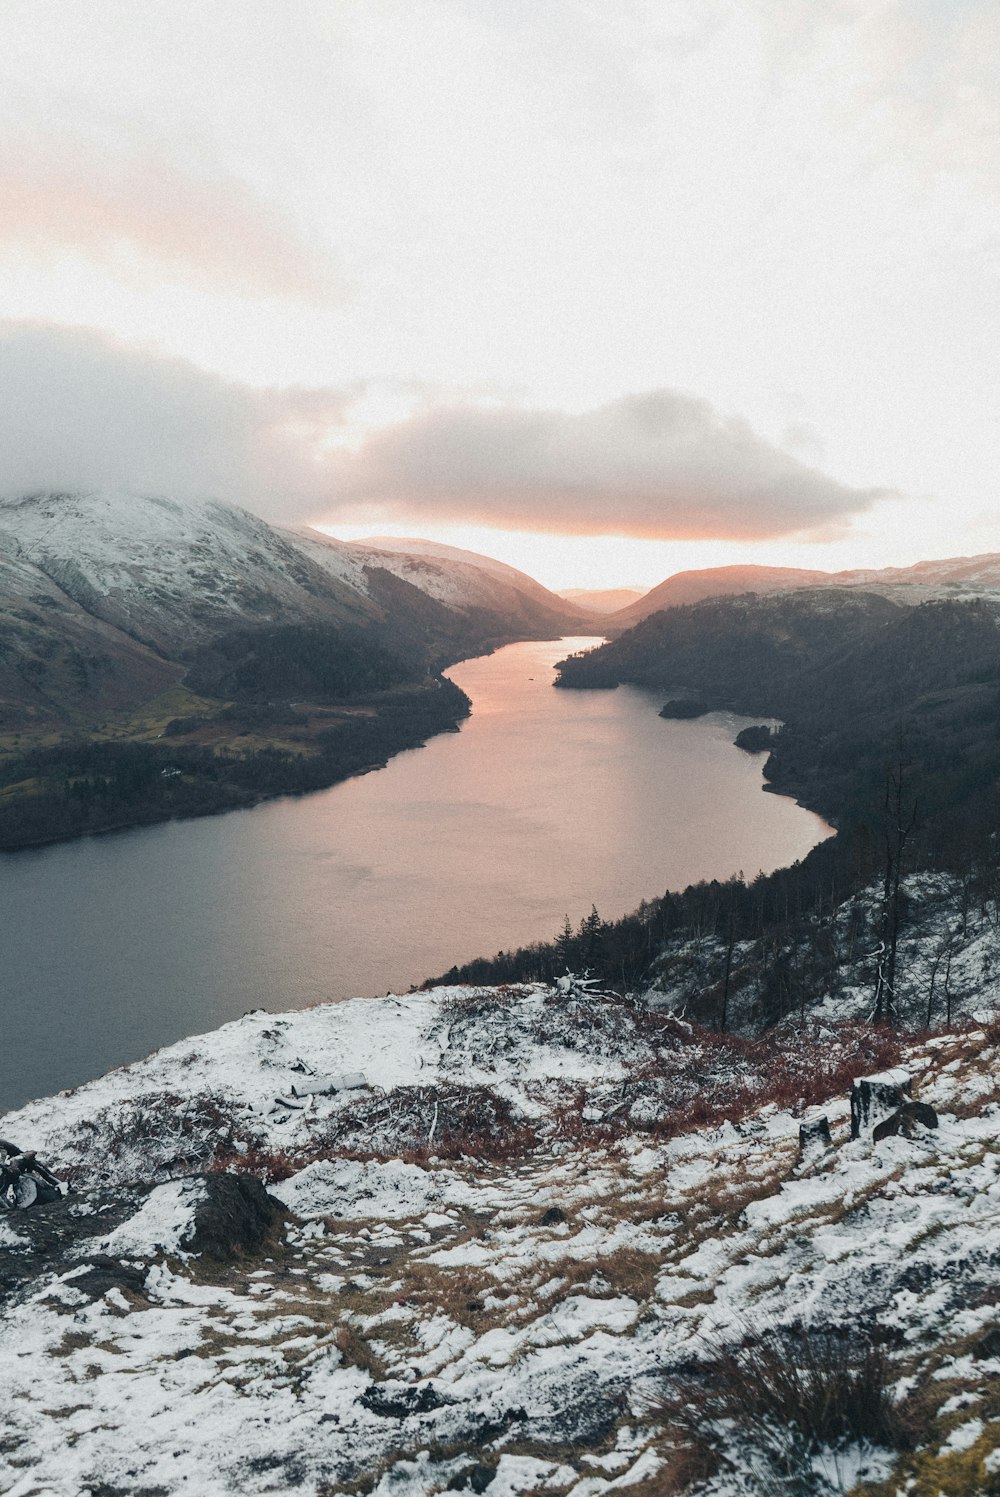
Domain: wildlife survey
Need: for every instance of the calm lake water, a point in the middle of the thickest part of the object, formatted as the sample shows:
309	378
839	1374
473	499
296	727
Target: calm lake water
545	803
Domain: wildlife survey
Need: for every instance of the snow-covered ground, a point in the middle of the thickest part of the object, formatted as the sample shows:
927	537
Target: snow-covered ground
501	1308
948	963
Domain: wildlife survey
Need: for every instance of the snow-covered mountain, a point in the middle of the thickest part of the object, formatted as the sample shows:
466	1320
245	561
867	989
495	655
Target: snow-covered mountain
109	597
538	1240
464	580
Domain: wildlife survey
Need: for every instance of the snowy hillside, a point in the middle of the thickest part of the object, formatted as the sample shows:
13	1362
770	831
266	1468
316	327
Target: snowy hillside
957	577
546	1241
464	580
169	572
110	598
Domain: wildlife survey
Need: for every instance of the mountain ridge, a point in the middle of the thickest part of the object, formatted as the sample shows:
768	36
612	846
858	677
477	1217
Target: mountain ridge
167	658
966	576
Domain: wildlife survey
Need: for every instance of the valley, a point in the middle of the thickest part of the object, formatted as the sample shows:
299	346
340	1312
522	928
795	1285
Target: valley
163	659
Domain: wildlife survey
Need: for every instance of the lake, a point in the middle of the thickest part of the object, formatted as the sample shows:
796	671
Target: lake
545	803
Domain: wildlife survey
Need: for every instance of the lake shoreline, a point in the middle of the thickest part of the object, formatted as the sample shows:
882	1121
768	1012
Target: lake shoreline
545	803
193	788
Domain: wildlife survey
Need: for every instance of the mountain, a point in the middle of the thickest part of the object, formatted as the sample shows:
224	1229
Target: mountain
713	582
957	576
533	1238
602	600
473	585
164	658
110	598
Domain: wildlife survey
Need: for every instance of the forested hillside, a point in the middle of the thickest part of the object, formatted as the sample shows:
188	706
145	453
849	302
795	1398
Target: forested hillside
891	729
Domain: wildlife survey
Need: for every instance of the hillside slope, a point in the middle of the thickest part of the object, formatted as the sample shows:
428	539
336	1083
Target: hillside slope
164	659
956	577
861	682
549	1242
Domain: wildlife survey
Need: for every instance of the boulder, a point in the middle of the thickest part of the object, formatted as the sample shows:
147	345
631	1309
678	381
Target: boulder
905	1119
234	1216
103	1273
876	1097
988	1345
473	1479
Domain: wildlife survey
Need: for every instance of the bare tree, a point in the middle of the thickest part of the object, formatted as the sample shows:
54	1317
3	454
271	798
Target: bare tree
899	820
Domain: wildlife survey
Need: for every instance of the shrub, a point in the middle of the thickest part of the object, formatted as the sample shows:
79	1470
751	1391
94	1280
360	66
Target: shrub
783	1397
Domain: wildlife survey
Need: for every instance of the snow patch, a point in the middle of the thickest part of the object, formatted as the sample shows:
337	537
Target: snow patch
162	1224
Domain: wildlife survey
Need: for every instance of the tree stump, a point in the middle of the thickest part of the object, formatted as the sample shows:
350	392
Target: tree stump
875	1097
814	1135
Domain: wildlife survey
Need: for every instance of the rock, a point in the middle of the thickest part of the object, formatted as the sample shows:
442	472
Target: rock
399	1400
814	1135
905	1119
988	1345
553	1217
103	1273
473	1479
875	1097
920	1112
235	1216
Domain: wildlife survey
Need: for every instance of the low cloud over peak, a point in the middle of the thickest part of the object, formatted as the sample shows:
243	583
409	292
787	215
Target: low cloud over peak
660	465
82	409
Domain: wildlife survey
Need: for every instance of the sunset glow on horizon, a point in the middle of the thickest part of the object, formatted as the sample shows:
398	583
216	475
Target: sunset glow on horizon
603	292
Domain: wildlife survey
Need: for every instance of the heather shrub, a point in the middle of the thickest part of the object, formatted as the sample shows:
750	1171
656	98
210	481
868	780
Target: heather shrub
783	1403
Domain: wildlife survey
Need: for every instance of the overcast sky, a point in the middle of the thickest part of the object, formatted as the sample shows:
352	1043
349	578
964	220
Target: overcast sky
603	289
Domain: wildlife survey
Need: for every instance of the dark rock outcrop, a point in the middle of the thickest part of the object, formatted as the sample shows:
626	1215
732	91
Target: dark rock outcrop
235	1216
814	1135
905	1119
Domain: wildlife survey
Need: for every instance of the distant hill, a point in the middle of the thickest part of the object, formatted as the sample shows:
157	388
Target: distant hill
602	600
714	582
861	679
957	576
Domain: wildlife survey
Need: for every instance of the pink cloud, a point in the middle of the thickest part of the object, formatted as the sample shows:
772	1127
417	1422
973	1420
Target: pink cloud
142	211
658	465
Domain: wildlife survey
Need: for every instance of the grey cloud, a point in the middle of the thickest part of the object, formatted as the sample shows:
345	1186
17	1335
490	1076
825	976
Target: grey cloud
80	410
660	465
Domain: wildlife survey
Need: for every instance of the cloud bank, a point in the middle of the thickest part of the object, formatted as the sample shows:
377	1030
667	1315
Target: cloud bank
661	465
82	410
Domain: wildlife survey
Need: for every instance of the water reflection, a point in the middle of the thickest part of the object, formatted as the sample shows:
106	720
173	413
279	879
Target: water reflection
546	802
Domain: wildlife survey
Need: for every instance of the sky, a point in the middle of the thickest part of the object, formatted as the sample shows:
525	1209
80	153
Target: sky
606	291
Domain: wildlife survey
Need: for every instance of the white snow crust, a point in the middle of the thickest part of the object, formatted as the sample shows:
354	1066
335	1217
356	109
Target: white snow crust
423	1315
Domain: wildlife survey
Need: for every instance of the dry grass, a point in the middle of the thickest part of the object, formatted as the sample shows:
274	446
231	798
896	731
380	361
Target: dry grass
778	1398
